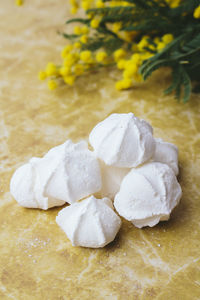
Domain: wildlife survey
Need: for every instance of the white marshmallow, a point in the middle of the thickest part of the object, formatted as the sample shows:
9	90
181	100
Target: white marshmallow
148	194
27	187
122	140
77	173
89	223
166	153
67	173
111	179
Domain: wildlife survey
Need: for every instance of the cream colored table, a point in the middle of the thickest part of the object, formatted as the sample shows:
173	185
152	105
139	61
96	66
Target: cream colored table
37	261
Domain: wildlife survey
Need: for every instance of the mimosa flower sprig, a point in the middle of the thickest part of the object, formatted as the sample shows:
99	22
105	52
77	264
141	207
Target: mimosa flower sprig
136	36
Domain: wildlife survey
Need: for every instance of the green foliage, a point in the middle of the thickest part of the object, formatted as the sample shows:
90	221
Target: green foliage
154	18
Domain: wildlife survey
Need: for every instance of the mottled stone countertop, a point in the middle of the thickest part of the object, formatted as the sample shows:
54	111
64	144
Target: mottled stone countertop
37	261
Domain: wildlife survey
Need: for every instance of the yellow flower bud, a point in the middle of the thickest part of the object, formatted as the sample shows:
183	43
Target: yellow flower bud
100	4
65	71
123	84
77	45
167	38
118	54
51	69
101	56
42	75
69	79
19	2
52	85
85	5
127	83
78	69
84	30
94	23
156	40
196	13
77	30
121	64
130	71
117	26
86	56
84	39
136	58
119	85
142	44
73	2
74	9
161	46
66	50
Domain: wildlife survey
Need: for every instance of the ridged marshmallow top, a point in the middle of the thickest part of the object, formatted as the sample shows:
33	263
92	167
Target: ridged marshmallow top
123	140
148	194
89	223
67	173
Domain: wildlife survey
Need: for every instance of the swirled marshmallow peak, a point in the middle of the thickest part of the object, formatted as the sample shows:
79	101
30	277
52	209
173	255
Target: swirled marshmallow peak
123	140
76	174
27	186
90	223
111	179
166	153
148	194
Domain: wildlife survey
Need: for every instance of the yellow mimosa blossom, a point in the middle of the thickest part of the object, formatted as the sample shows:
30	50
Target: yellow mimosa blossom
86	56
130	70
77	45
119	85
78	69
123	84
84	30
69	79
73	2
161	46
126	83
94	23
173	3
66	50
52	85
156	40
196	13
119	54
85	4
65	71
146	55
19	2
101	56
74	9
77	30
167	38
117	26
143	43
42	75
51	69
84	39
129	35
100	4
70	59
136	58
121	64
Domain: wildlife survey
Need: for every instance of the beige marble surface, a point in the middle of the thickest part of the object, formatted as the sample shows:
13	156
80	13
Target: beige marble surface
37	261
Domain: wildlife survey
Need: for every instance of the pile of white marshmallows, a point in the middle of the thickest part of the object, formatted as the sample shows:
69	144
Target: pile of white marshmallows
128	165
